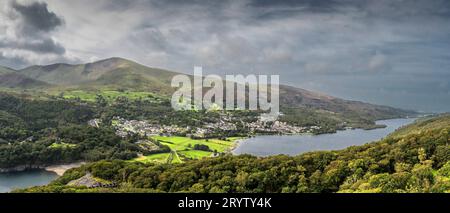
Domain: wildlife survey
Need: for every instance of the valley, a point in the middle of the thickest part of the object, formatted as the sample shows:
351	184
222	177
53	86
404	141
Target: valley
415	162
116	109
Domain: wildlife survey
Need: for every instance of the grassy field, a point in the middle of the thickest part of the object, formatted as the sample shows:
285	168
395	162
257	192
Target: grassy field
182	143
175	158
182	149
195	154
155	158
62	146
109	95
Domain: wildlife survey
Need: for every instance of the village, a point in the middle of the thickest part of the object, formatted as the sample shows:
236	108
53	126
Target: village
125	128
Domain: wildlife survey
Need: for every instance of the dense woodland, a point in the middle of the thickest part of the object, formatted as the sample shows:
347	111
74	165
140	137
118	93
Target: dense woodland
37	132
417	160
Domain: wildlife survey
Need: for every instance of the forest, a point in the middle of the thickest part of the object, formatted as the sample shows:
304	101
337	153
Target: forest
38	132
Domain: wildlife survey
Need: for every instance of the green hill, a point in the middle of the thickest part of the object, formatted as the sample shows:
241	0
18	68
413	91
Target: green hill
10	78
5	70
424	124
113	73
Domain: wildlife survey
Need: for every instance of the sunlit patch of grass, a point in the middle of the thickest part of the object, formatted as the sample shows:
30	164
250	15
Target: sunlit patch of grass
154	158
110	95
186	143
183	148
62	146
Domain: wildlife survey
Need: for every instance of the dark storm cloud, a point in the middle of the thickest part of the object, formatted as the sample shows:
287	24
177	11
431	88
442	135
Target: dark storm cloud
43	45
303	5
120	5
404	9
166	4
30	28
347	48
37	17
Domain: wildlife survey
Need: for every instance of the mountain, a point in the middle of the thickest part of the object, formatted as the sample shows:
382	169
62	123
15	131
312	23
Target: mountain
5	70
10	78
296	97
122	74
113	73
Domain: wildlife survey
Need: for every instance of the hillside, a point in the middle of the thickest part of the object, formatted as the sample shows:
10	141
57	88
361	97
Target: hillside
299	103
416	162
424	124
299	97
9	78
301	107
113	73
5	70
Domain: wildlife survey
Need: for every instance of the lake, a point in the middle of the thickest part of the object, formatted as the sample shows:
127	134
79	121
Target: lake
15	180
297	144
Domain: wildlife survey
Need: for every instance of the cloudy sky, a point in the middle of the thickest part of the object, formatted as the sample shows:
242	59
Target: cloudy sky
394	52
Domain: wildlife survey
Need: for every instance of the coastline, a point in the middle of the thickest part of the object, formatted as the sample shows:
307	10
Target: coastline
236	144
61	168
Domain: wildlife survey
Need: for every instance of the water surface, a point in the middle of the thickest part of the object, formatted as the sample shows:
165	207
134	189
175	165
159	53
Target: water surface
297	144
17	180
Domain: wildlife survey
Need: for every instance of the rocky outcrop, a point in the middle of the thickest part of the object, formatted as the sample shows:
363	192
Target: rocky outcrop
90	181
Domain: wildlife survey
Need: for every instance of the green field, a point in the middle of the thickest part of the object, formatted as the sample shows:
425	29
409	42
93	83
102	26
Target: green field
174	158
195	154
155	158
62	146
109	95
182	149
182	143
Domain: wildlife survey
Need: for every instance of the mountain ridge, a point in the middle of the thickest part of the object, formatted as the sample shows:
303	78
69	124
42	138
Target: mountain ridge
125	75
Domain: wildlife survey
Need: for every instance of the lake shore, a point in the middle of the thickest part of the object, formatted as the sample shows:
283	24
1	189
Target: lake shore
60	169
236	144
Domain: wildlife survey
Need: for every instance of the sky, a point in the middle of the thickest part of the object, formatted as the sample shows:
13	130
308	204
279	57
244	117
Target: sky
390	52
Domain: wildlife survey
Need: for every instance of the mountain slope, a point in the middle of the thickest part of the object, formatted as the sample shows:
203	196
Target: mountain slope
5	70
423	124
122	74
10	78
113	73
296	97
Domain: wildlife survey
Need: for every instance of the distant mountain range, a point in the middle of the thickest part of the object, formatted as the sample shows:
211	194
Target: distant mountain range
12	79
113	73
122	74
